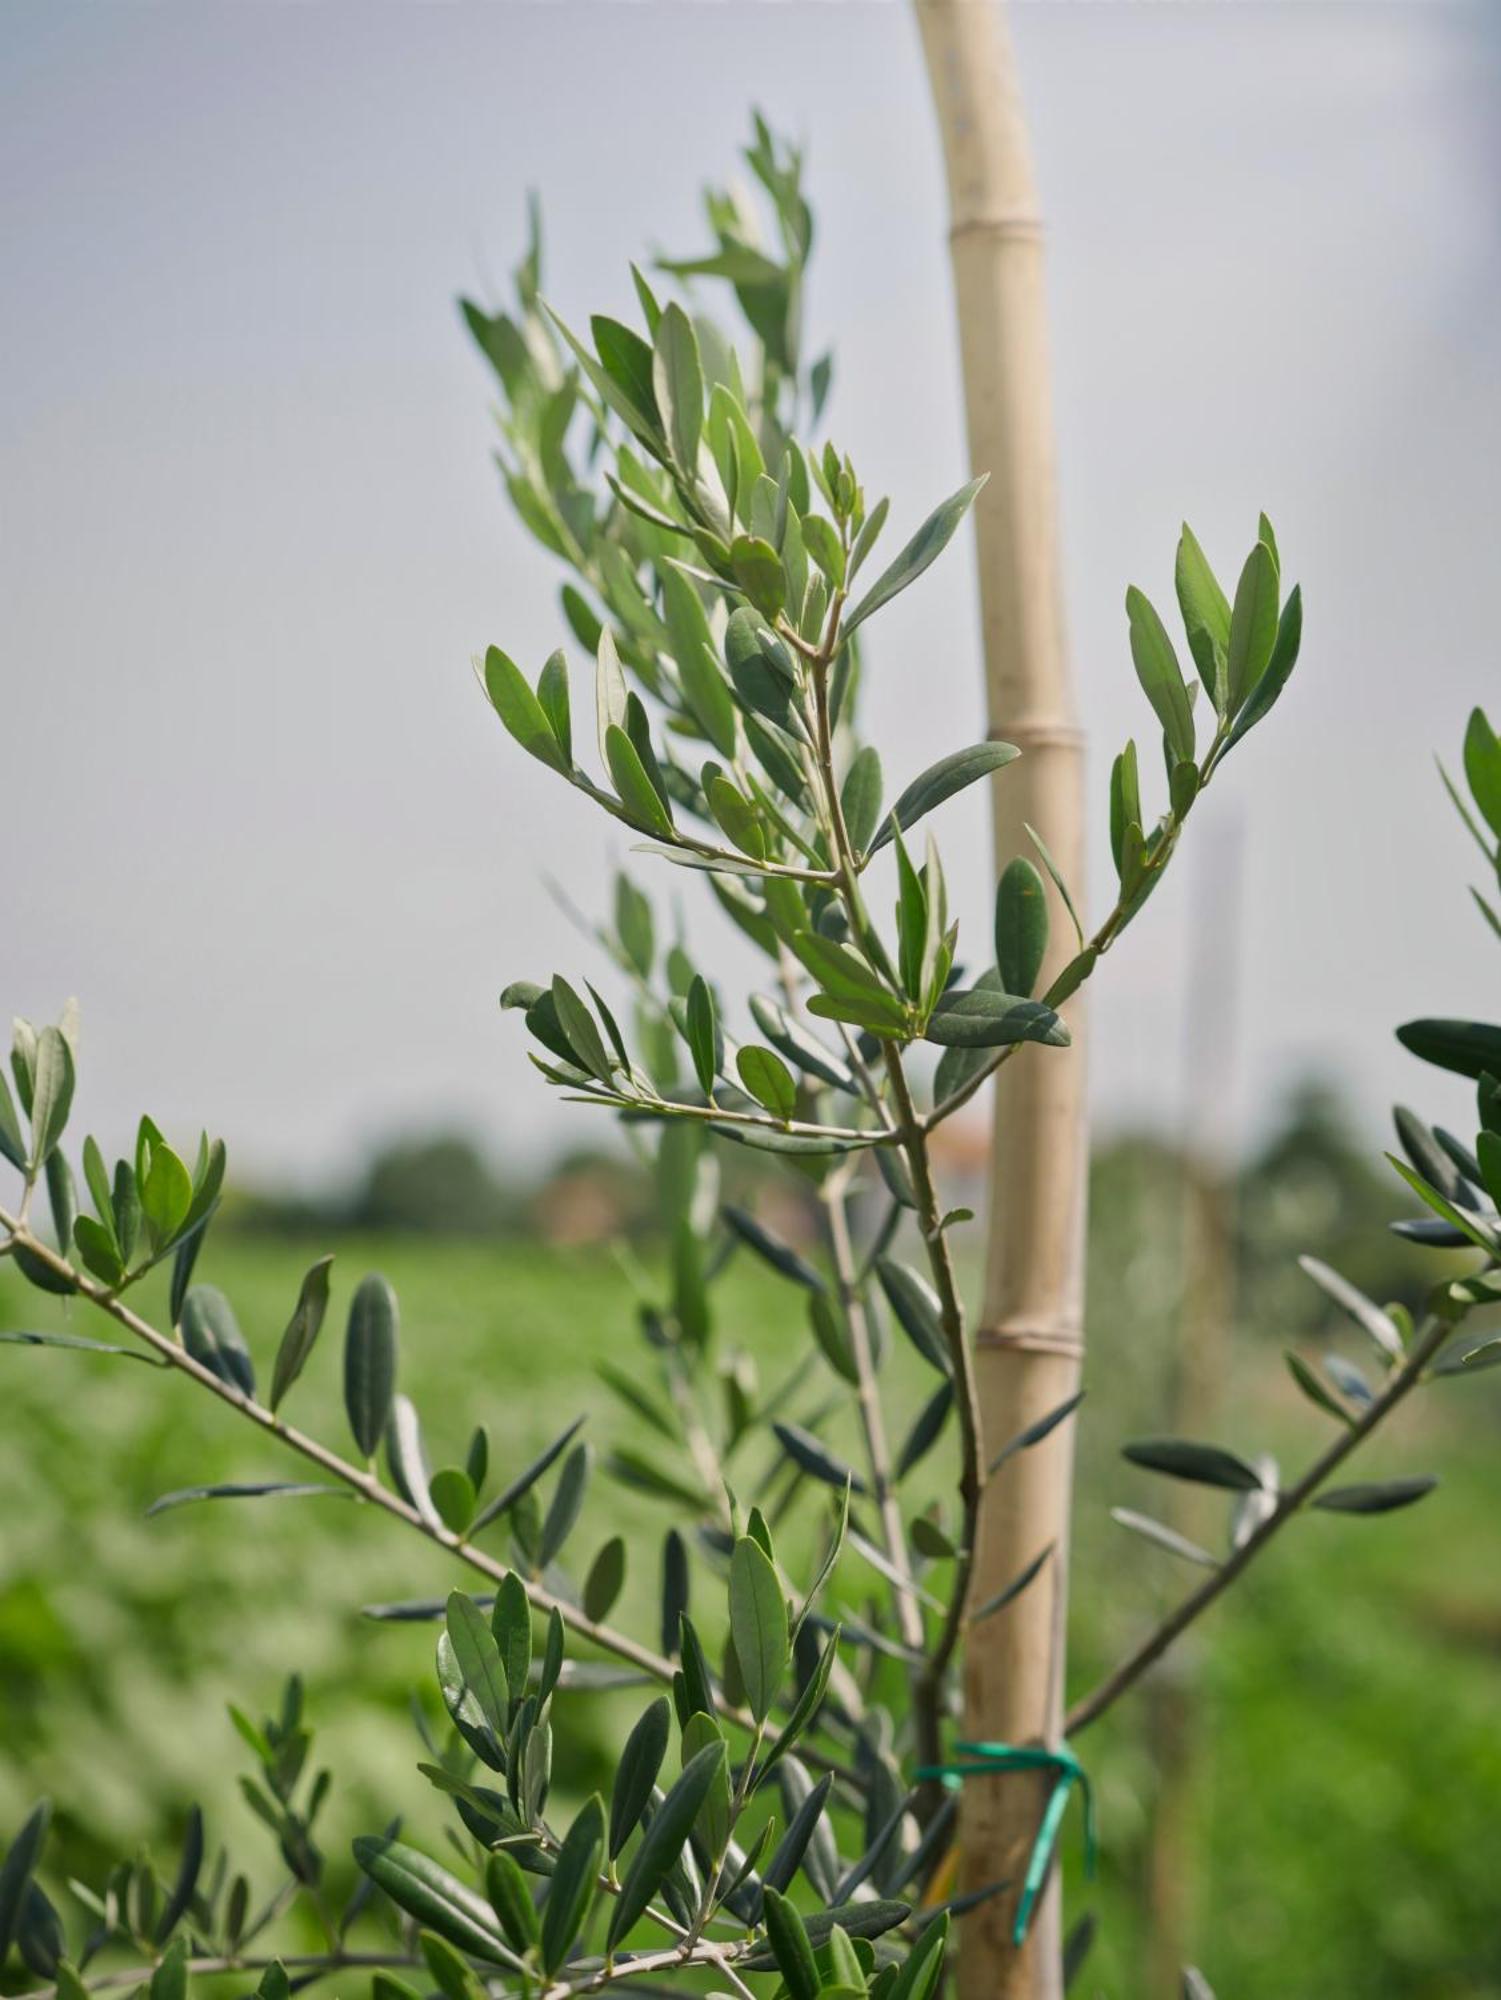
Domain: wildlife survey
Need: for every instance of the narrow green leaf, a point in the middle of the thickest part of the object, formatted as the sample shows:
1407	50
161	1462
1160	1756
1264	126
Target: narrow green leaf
1378	1496
1206	614
911	921
1379	1325
17	1869
186	1883
16	1338
664	1839
1322	1398
511	1626
931	539
838	970
735	816
1013	1589
1125	804
977	1017
629	364
917	1310
927	1428
95	1244
1205	1464
1469	1048
761	668
528	1477
812	1457
1159	673
636	1772
511	1900
1061	886
302	1330
407	1460
768	1080
798	1046
552	698
918	1978
1253	626
1034	1433
860	797
52	1080
575	1875
169	1981
633	787
1482	757
940	782
791	1947
702	1034
370	1343
166	1196
758	1625
790	1849
771	1248
605	1579
450	1970
821	539
435	1898
62	1198
479	1663
452	1493
1279	667
1165	1537
678	381
759	572
705	687
633	925
833	1336
857	1920
211	1334
568	1497
521	711
1021	927
249	1490
581	1033
804	1710
12	1144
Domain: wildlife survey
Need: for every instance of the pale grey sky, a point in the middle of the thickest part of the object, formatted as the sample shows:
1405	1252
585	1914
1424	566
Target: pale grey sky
257	818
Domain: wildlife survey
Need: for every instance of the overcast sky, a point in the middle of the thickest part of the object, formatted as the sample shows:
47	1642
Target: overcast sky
256	817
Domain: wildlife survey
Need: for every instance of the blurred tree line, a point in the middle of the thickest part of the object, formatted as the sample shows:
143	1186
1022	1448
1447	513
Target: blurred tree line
1314	1181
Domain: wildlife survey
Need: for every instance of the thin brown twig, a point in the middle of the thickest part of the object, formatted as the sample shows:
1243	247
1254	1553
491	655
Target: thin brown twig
139	1975
362	1482
1430	1336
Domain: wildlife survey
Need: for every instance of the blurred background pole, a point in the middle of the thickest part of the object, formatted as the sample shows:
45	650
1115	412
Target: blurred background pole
1029	1346
1198	1375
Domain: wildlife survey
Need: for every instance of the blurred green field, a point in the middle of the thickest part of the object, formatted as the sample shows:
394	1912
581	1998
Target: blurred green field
1348	1805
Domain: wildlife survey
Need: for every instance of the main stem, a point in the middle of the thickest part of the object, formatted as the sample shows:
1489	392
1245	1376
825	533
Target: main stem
873	1424
1028	1348
911	1136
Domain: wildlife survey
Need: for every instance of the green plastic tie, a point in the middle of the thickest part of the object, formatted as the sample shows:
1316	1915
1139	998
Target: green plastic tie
990	1760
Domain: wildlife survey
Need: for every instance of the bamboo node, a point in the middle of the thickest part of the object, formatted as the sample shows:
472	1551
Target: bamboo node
1012	222
1040	735
1019	1336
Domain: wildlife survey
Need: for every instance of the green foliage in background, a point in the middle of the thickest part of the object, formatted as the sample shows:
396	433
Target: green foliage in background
779	1687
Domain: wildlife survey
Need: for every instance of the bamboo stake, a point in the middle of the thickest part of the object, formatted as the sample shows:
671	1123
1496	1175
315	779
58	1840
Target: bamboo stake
1029	1347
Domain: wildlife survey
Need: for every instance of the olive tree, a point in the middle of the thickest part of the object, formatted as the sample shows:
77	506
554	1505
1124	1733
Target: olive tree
783	1804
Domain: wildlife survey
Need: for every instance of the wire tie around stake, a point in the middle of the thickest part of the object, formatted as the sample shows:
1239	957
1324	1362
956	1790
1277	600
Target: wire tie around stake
989	1760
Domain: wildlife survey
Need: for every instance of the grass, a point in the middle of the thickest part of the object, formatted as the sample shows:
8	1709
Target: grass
1350	1785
